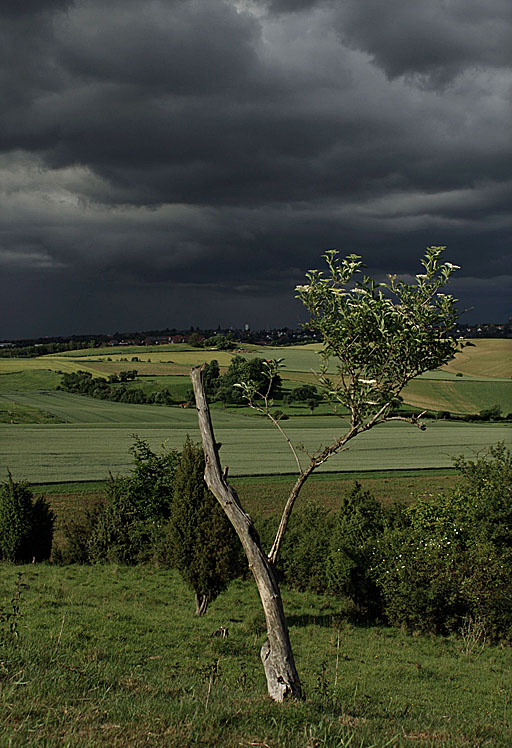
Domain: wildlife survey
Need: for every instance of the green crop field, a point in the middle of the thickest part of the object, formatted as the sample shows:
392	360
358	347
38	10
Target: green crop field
47	435
28	379
250	446
459	395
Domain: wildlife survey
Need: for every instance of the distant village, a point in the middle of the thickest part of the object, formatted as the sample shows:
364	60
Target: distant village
228	338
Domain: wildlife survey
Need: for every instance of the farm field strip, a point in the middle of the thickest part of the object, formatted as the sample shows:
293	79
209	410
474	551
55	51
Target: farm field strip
459	396
487	357
454	396
191	358
55	453
78	409
11	365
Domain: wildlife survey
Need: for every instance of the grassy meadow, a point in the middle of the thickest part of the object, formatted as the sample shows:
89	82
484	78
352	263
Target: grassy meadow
108	656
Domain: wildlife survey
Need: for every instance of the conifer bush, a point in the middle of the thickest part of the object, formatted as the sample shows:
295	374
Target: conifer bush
199	540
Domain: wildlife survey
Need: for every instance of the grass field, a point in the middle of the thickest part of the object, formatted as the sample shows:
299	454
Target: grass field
490	358
13	412
113	656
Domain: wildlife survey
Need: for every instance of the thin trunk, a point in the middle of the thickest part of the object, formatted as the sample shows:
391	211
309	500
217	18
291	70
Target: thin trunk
201	603
276	654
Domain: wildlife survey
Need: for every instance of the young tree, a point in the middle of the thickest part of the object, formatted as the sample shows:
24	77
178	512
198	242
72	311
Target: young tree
200	542
380	336
127	527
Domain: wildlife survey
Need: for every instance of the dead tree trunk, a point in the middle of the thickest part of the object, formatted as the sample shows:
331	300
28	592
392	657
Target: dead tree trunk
276	654
201	603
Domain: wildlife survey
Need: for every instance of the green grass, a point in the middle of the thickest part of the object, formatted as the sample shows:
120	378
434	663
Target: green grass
113	656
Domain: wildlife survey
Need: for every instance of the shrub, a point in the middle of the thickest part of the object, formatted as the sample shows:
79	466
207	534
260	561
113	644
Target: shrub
119	534
26	526
128	527
77	536
305	547
151	481
353	553
454	558
491	414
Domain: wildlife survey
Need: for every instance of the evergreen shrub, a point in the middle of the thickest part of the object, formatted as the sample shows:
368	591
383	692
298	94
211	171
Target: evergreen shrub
199	539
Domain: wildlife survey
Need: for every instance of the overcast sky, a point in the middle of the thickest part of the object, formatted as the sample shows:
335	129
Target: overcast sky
168	163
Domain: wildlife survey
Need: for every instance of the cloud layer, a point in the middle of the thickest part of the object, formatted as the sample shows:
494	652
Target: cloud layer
161	159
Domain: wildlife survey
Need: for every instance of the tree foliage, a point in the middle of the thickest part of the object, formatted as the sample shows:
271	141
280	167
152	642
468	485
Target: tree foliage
113	388
380	335
377	337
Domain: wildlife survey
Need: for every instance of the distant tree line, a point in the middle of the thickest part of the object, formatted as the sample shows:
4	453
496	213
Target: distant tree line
493	413
113	388
43	349
221	387
224	387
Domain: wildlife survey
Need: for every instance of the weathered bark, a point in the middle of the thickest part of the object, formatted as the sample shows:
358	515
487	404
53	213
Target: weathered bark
276	654
201	603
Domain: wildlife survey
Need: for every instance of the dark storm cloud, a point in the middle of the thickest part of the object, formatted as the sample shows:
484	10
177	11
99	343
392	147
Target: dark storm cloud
223	145
436	39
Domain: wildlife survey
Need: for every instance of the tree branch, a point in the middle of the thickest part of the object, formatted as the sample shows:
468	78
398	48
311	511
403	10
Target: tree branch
316	461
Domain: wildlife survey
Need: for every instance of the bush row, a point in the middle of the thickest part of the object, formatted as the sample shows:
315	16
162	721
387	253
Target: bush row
428	567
